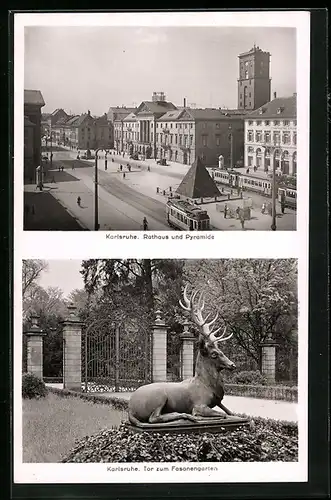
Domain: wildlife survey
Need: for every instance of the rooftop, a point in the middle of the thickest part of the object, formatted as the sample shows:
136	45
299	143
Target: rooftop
33	97
281	107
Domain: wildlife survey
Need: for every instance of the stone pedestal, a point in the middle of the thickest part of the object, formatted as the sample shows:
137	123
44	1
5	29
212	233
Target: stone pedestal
269	359
72	350
187	355
35	348
159	349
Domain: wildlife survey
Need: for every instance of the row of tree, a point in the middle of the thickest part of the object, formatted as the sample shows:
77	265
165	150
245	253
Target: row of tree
255	298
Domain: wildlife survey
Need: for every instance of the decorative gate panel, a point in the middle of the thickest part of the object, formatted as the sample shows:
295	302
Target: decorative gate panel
114	358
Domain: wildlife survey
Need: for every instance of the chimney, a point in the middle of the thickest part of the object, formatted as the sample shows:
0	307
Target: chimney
184	102
89	112
275	95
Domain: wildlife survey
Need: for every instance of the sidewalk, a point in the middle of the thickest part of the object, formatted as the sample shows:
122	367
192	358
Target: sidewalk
254	407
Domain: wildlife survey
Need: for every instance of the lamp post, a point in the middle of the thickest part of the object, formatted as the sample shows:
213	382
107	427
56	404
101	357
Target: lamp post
231	146
273	147
96	198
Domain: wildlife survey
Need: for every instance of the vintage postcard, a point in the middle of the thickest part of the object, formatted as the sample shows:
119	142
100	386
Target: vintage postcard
161	247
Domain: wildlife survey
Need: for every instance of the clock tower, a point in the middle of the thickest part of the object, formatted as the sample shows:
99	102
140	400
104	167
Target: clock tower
254	79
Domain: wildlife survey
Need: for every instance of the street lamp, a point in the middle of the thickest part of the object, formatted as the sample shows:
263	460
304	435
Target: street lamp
272	148
231	146
96	198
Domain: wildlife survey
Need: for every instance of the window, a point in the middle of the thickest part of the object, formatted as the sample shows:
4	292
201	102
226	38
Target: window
191	140
258	122
276	122
157	137
276	137
267	122
185	125
217	125
250	94
250	149
185	140
218	140
295	138
250	136
286	123
286	138
176	140
180	140
250	122
267	136
170	138
258	136
204	125
295	123
191	125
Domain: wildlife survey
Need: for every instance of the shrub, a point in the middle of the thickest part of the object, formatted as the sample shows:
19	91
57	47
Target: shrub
249	377
264	441
33	387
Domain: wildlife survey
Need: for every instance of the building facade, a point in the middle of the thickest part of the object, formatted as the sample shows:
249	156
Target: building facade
271	136
33	102
116	113
254	79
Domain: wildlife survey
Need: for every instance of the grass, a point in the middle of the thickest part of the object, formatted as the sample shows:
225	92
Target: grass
52	425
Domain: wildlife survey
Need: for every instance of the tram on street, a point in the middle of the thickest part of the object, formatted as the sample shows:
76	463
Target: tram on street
249	182
186	216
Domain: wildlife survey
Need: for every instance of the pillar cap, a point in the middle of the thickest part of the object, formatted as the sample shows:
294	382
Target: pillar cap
34	328
158	319
186	334
72	316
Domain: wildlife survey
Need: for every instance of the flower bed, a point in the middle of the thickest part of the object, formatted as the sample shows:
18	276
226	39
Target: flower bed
265	441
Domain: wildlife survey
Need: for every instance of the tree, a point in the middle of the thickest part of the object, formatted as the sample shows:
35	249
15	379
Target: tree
255	298
31	271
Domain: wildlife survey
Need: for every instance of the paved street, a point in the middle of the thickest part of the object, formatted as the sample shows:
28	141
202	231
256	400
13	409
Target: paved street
125	198
266	408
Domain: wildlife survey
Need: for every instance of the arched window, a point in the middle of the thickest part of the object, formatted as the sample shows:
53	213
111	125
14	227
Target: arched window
285	164
258	157
245	97
266	159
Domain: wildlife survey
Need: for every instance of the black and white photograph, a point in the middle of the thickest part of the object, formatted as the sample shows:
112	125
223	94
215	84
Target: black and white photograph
160	361
163	127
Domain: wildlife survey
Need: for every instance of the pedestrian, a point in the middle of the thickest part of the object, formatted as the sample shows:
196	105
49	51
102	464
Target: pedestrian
105	163
255	168
148	168
121	168
282	206
145	224
123	175
129	168
247	171
53	179
242	221
225	210
112	160
59	168
62	168
237	212
263	208
79	200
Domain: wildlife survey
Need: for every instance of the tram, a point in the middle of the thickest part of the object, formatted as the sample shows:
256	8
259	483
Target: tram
186	216
254	183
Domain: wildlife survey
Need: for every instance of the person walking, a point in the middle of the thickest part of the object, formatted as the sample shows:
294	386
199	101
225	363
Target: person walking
123	175
225	210
106	164
79	200
263	208
237	212
121	168
242	221
145	224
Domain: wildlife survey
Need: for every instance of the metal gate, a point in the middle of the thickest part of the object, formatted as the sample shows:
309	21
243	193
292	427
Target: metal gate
115	358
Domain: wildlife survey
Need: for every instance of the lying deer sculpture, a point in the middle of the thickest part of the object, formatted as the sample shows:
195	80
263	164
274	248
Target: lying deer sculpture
192	399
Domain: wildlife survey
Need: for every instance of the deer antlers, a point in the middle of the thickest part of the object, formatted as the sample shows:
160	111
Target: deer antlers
196	308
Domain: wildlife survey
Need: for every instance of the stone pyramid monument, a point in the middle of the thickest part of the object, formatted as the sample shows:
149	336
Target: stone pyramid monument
197	183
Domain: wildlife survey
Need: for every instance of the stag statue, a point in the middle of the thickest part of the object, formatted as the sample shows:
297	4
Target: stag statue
192	399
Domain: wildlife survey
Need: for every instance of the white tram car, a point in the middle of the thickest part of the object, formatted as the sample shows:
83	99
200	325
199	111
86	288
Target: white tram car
186	216
253	183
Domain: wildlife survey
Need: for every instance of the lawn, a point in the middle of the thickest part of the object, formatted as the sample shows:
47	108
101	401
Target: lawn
52	425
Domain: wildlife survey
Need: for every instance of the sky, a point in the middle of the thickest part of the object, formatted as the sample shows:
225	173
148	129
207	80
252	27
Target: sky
63	274
92	68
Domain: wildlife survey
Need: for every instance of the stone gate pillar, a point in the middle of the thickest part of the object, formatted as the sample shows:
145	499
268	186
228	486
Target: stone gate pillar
187	357
35	348
159	349
269	359
72	350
